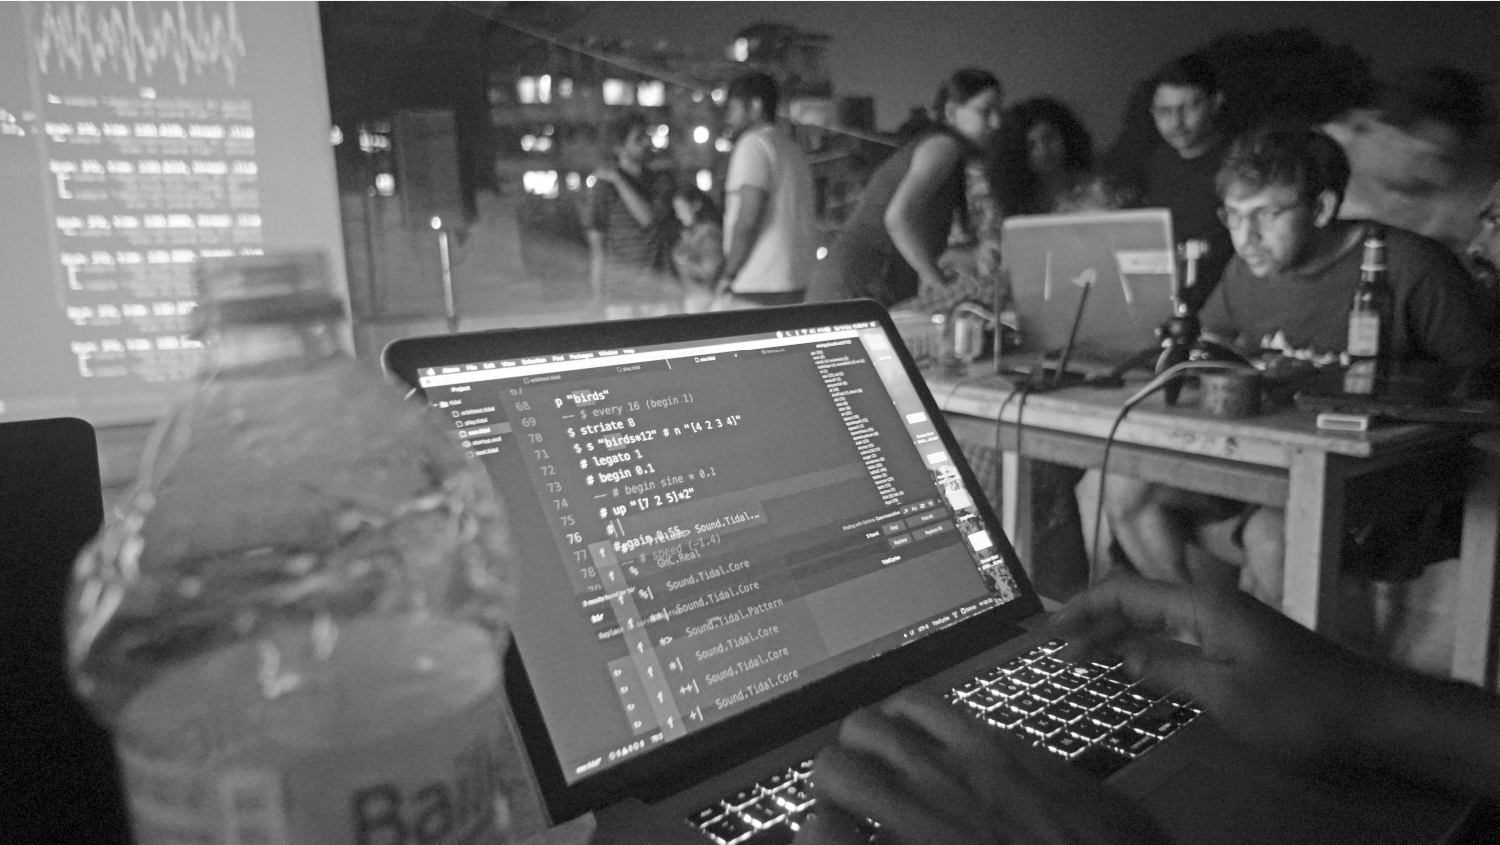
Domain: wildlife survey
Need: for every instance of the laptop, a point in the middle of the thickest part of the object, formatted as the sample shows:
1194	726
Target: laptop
58	773
738	528
1122	261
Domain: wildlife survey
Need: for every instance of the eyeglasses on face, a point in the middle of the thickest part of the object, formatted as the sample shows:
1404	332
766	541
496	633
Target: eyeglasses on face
1262	217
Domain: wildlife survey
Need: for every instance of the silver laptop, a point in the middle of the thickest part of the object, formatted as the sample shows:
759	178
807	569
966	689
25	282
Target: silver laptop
740	527
1125	259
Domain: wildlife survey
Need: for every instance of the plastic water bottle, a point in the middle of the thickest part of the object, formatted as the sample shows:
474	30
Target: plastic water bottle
293	623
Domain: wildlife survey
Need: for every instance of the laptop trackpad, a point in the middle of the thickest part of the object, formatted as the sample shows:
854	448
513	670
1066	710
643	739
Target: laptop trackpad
1203	803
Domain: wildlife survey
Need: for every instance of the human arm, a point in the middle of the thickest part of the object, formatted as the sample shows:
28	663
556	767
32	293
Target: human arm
641	208
752	208
927	773
932	163
1284	689
1215	318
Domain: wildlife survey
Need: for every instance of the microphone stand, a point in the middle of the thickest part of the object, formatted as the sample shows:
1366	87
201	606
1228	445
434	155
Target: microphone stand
1179	334
1062	377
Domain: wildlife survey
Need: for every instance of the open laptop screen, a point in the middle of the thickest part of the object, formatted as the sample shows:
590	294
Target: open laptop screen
1125	258
727	520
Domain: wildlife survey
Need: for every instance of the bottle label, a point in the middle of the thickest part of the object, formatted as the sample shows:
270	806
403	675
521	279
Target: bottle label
413	751
439	784
1360	378
1364	335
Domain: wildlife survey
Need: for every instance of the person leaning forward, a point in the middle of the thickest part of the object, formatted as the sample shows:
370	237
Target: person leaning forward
1287	292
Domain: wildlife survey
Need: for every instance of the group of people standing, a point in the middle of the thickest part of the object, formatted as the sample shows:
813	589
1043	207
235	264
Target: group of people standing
762	253
975	164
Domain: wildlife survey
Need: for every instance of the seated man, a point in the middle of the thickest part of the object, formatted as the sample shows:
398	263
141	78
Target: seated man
1288	292
927	773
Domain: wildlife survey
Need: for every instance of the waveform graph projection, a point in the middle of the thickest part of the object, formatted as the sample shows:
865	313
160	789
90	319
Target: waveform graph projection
137	41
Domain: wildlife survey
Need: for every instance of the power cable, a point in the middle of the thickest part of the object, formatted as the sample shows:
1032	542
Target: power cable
1157	383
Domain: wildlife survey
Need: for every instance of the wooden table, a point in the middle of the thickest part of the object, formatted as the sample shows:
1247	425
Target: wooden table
1280	459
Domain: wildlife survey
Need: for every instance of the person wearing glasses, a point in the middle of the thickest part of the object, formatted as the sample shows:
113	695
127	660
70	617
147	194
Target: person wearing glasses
1287	293
889	248
1178	173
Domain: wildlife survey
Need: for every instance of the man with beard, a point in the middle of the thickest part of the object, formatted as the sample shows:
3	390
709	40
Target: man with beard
629	225
1178	174
1484	250
1287	292
769	223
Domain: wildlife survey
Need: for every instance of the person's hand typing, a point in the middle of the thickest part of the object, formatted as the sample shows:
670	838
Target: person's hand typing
929	774
1263	677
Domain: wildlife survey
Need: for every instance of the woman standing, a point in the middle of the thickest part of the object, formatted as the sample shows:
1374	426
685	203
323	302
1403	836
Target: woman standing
889	247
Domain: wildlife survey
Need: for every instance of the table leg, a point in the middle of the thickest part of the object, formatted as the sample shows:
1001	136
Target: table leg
1019	519
1010	480
1474	618
1314	536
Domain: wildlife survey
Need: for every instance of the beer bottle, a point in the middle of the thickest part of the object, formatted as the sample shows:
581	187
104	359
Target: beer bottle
1370	319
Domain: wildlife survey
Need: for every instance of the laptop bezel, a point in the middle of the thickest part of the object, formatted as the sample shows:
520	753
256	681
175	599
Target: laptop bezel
685	762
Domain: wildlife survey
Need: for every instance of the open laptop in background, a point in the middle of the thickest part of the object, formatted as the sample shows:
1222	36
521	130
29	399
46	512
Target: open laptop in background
59	782
1125	258
740	527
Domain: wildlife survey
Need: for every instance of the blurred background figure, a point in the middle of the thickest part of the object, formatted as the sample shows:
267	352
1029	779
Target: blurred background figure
769	206
1483	253
699	254
1423	153
1045	161
631	227
888	250
1177	172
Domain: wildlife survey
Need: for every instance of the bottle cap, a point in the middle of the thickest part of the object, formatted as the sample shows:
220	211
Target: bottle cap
270	288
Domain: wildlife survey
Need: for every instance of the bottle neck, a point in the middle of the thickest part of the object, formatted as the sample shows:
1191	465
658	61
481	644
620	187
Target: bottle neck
247	348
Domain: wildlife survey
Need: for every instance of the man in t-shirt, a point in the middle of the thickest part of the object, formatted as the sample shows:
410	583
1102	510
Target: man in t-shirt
1178	174
1287	292
630	227
769	227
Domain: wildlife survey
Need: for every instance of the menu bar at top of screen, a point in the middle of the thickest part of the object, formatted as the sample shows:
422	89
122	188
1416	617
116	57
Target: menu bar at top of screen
516	368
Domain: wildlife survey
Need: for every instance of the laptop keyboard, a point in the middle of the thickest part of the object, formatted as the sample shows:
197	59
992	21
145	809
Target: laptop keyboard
1090	714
